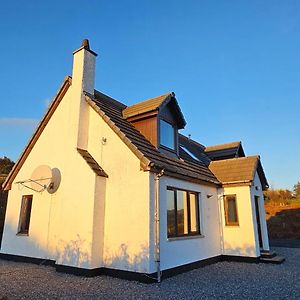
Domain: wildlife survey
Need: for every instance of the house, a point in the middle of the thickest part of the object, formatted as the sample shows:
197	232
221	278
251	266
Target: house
105	188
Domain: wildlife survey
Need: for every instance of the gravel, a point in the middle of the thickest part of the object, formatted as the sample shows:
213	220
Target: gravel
223	280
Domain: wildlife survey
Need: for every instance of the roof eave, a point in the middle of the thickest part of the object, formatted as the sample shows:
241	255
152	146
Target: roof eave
56	100
145	162
191	179
172	97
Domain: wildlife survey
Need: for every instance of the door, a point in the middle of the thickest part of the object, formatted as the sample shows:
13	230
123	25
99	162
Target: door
256	199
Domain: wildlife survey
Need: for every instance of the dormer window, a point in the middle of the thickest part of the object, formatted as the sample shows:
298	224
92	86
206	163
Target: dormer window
159	120
167	134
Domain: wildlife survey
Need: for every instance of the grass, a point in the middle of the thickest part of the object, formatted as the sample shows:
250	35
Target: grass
295	201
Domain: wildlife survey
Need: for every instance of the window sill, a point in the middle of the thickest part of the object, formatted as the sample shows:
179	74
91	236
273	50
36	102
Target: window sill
167	148
189	237
22	234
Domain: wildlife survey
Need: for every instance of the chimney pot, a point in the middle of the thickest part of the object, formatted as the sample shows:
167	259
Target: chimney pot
85	44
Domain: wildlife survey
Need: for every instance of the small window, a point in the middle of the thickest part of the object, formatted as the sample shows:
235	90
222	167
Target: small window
25	214
167	134
189	153
182	213
230	207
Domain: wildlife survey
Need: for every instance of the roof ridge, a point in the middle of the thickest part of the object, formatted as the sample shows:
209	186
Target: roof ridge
225	144
151	99
191	140
235	158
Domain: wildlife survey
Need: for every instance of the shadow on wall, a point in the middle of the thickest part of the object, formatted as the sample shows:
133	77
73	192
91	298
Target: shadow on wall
123	259
21	244
73	254
285	224
244	250
3	204
68	253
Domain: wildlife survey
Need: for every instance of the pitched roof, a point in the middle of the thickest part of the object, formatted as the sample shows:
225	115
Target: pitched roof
155	104
111	110
238	170
151	159
225	151
234	169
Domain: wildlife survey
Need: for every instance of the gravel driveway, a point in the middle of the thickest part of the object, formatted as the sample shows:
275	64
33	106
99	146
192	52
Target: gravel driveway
224	280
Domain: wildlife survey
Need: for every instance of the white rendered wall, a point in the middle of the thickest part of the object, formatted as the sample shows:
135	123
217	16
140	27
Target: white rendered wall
68	226
127	213
61	225
180	251
239	240
256	190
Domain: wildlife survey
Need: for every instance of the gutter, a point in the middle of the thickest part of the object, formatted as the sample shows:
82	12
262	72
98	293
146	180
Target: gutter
157	224
237	181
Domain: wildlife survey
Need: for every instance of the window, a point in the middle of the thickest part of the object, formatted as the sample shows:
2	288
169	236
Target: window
182	213
230	207
167	134
25	214
189	153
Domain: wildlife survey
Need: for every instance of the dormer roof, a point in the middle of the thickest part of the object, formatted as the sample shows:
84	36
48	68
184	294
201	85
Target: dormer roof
225	151
155	105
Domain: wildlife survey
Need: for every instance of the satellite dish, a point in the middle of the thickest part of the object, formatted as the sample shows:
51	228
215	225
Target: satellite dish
41	178
45	178
55	182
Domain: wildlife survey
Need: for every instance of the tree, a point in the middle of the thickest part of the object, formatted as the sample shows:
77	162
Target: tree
278	195
296	190
6	165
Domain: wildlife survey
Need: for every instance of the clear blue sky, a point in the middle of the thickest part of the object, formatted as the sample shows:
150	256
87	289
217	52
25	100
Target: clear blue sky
234	66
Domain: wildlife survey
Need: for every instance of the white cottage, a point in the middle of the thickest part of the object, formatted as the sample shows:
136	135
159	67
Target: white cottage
105	188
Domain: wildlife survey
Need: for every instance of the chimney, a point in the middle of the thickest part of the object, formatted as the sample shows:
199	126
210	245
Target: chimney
83	80
84	62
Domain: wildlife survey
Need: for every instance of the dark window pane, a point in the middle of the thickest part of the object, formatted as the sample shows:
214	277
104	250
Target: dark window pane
194	209
25	214
182	213
231	215
171	213
167	137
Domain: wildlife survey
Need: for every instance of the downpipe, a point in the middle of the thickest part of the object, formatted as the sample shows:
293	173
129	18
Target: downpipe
157	224
220	199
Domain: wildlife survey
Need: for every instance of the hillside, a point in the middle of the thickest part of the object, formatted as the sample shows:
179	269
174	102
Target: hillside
283	220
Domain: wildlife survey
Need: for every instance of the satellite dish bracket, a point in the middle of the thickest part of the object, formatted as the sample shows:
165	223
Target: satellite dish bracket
43	174
36	181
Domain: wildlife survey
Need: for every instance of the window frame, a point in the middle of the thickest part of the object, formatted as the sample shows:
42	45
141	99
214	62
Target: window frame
190	233
25	199
225	202
174	135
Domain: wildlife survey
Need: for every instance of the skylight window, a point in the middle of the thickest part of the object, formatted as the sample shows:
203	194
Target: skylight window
189	153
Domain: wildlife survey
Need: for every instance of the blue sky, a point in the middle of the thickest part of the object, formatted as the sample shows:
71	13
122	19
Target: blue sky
234	66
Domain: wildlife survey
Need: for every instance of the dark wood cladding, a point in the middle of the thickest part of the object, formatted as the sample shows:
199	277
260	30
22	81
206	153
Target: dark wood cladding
148	128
